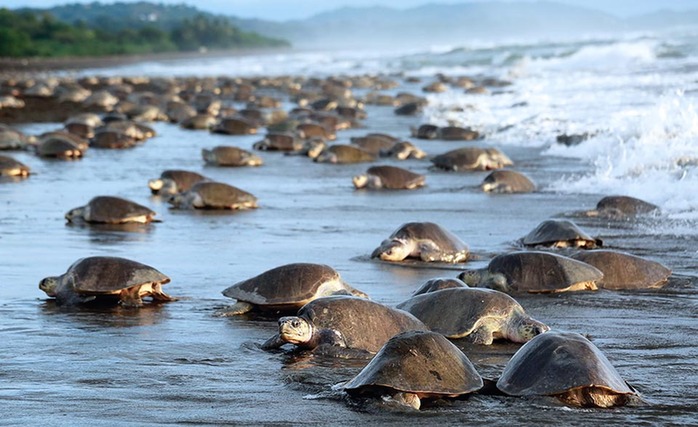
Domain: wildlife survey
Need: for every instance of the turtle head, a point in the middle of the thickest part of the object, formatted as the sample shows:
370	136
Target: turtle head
392	250
484	279
49	286
295	330
162	186
525	329
314	147
209	156
76	214
471	277
183	200
360	181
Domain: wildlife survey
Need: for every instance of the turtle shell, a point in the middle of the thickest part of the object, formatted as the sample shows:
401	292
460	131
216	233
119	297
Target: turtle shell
625	271
217	195
455	312
507	181
533	271
364	324
438	284
394	177
626	205
11	167
471	158
552	231
444	239
556	362
223	155
103	274
347	154
373	144
425	363
288	285
114	210
184	179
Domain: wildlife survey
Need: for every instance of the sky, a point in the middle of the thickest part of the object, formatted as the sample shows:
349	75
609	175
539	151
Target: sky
281	10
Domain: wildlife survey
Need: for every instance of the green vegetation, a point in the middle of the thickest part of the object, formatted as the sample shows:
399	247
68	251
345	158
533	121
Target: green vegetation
31	33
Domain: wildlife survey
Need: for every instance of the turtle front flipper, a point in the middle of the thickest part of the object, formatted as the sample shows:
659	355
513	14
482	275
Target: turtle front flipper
131	297
236	309
483	335
273	343
158	295
410	400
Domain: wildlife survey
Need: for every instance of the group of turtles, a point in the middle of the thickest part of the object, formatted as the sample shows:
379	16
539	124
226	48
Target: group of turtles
411	355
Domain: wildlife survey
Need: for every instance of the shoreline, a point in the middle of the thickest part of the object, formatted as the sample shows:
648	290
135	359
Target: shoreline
10	67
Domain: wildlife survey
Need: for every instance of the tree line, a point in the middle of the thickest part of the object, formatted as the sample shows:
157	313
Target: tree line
40	34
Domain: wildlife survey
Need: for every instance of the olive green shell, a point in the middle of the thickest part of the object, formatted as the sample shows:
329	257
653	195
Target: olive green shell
9	165
103	274
533	271
184	179
347	154
114	210
375	144
556	362
471	158
551	231
235	126
509	181
442	238
625	271
224	155
364	324
455	312
419	362
290	284
628	206
218	195
395	178
58	147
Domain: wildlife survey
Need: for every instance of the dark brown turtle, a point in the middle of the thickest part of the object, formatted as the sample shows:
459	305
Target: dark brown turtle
287	288
422	240
507	181
235	126
534	272
404	150
481	315
414	366
375	144
58	148
103	277
456	133
110	210
560	233
622	207
625	271
173	181
112	139
278	141
345	324
213	195
567	366
389	177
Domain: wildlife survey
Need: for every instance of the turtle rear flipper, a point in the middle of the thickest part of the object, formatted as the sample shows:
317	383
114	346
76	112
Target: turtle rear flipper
240	307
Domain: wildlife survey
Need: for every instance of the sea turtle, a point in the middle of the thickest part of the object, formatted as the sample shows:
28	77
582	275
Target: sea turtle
404	150
343	325
534	272
343	154
110	210
560	233
112	139
314	130
375	144
13	139
439	283
224	155
278	141
567	366
622	207
199	121
213	195
235	126
625	271
388	177
471	158
422	240
11	167
456	133
58	148
416	365
481	315
104	277
173	181
425	131
287	288
507	181
82	143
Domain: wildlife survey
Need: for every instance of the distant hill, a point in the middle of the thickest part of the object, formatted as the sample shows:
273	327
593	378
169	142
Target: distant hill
382	26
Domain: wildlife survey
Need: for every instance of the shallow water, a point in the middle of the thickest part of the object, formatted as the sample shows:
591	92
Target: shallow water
178	363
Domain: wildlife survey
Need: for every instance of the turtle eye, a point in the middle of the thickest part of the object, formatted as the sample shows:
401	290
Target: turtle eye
295	323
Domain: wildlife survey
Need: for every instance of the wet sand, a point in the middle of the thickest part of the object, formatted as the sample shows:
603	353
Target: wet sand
177	363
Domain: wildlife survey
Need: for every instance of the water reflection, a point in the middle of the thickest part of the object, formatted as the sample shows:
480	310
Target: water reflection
106	315
113	234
